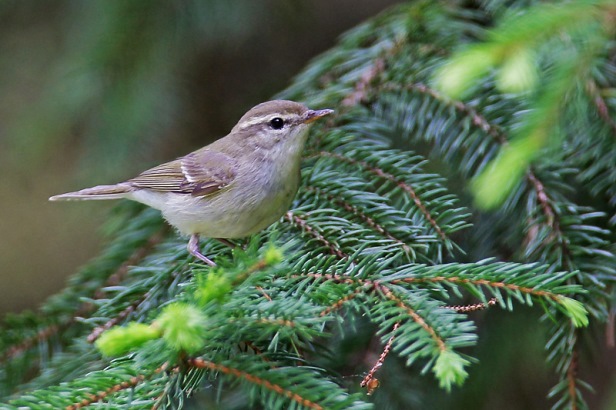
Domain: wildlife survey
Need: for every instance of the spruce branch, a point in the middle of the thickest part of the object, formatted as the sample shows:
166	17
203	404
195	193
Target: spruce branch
401	184
305	227
137	256
440	343
549	207
102	395
20	347
95	334
365	218
288	384
338	304
205	364
476	119
487	283
95	387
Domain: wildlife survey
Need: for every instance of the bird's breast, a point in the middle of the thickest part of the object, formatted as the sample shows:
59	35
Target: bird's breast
260	194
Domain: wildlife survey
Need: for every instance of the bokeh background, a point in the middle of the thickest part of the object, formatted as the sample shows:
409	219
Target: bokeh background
94	92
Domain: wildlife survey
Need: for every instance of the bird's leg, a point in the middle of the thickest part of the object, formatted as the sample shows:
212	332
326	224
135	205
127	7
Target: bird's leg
227	242
193	249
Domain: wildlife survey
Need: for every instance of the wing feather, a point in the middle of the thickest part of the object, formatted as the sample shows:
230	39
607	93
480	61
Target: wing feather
200	173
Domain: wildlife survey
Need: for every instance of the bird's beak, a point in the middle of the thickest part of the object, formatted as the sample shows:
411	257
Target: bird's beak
313	115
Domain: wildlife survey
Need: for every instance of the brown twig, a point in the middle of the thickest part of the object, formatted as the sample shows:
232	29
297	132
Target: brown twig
279	322
552	217
472	308
542	198
369	77
338	304
255	267
93	398
362	86
370	284
102	395
26	344
201	363
369	380
602	109
337	278
95	334
265	295
440	343
484	282
255	349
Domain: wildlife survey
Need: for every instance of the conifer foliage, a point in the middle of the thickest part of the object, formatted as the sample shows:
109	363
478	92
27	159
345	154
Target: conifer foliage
383	242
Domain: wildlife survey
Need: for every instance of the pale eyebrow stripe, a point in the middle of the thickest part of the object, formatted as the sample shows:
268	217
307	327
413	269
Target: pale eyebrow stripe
264	118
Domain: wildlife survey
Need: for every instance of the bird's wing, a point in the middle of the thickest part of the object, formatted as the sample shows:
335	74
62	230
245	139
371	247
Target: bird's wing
200	173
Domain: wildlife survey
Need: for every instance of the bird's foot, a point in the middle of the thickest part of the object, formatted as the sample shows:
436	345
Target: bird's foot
193	249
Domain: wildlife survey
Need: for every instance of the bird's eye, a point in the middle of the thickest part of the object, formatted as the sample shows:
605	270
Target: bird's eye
276	123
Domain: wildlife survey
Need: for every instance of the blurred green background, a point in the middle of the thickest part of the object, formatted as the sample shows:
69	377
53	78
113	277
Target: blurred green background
94	92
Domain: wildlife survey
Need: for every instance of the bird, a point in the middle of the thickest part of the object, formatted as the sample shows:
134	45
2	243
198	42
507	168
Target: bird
232	188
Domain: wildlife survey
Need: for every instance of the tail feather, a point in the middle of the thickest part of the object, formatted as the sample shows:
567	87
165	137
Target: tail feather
99	192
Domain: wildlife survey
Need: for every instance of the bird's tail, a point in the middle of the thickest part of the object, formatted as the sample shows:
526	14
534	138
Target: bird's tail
98	192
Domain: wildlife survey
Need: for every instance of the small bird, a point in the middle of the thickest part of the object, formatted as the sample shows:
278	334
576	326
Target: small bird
232	188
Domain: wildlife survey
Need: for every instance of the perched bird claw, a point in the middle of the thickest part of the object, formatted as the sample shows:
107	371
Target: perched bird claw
193	249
